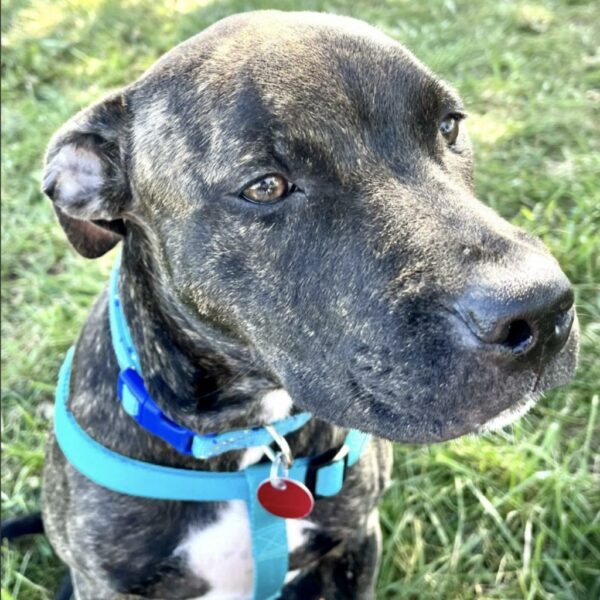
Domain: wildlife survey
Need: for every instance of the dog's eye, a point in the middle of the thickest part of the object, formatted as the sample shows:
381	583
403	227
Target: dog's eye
269	188
449	127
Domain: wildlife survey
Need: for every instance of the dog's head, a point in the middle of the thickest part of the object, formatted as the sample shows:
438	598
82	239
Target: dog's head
307	186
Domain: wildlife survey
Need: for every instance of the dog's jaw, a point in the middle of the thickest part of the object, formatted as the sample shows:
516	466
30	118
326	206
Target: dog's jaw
509	415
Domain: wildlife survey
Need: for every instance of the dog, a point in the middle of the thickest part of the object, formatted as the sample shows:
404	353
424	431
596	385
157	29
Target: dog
294	197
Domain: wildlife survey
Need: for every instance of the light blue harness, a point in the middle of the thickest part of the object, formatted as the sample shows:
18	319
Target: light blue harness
324	474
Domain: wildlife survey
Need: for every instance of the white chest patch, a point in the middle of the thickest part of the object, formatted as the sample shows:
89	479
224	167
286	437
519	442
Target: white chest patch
276	405
221	553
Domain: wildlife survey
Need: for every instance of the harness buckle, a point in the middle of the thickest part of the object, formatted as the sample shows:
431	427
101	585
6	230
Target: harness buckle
326	472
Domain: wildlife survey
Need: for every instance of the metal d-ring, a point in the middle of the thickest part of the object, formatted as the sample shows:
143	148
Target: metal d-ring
278	480
284	447
282	459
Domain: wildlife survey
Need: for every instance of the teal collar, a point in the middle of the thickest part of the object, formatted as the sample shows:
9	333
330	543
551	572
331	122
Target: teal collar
140	406
324	474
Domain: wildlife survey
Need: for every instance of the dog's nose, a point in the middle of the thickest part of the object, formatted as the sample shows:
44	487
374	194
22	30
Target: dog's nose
513	318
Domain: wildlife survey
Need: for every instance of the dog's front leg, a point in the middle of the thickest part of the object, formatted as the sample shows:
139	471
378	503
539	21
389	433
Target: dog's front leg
85	588
348	573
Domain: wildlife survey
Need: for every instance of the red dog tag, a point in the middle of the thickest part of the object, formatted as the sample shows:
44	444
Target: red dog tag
288	499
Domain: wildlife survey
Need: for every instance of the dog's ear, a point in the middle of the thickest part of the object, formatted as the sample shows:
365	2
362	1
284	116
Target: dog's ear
86	177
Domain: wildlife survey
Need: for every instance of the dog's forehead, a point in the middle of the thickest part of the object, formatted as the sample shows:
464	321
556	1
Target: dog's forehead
272	81
293	59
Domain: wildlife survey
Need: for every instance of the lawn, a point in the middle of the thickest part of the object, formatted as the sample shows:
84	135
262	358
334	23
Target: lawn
512	515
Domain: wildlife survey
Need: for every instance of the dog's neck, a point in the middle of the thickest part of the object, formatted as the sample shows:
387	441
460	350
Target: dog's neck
201	378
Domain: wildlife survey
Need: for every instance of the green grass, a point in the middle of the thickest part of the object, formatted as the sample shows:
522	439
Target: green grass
515	515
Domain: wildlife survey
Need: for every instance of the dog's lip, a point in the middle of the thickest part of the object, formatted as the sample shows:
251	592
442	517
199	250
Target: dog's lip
438	432
453	429
509	415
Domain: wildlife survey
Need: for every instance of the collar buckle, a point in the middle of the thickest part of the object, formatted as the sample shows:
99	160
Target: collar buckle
137	403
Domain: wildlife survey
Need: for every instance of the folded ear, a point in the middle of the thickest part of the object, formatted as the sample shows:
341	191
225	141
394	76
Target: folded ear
85	176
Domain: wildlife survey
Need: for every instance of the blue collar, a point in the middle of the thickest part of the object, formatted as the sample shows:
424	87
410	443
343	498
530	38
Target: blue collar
324	474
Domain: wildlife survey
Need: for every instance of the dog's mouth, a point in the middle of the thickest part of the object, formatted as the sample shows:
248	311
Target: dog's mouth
513	413
509	415
467	394
425	418
405	428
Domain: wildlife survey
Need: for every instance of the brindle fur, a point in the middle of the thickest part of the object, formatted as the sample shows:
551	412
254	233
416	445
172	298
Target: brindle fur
342	294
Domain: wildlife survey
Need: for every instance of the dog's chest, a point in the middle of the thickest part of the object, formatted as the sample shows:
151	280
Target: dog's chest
221	553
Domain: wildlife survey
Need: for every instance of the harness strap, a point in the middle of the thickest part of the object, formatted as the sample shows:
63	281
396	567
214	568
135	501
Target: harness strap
269	543
119	331
138	478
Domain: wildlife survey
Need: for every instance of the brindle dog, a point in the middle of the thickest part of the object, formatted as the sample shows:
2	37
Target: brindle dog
294	196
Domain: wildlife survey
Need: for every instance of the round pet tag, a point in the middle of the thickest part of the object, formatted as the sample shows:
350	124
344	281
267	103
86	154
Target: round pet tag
288	498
